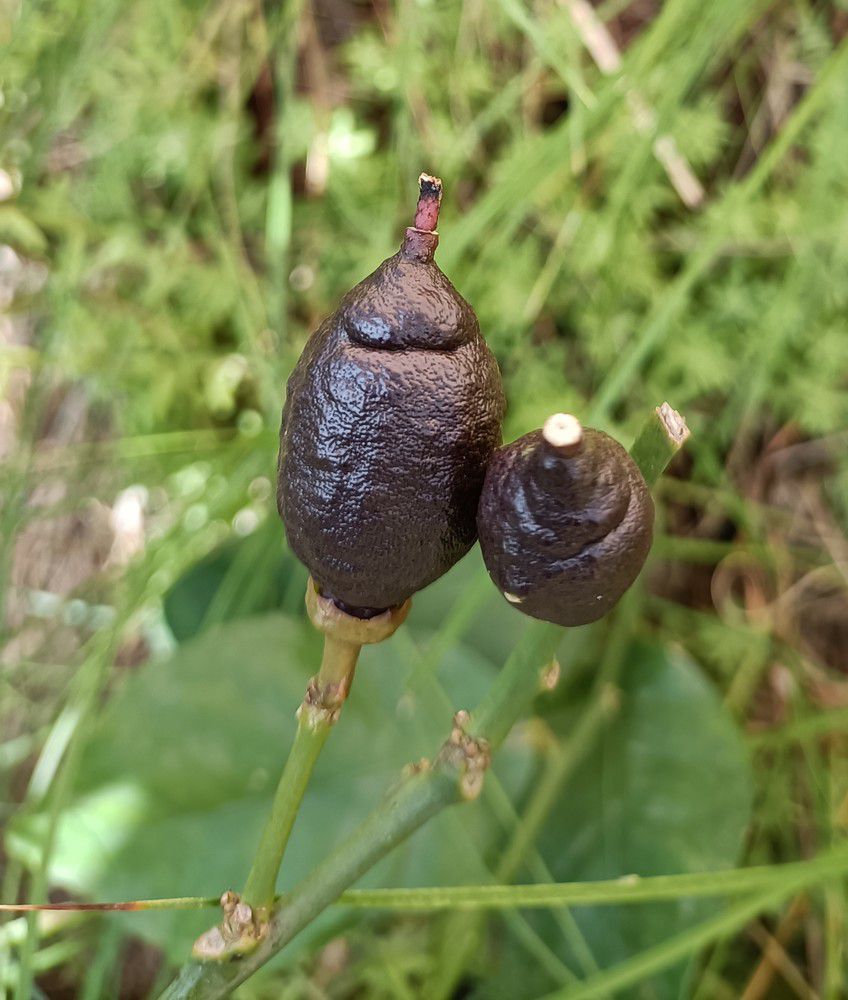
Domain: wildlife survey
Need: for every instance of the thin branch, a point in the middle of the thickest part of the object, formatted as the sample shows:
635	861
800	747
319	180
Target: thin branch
320	709
627	889
245	918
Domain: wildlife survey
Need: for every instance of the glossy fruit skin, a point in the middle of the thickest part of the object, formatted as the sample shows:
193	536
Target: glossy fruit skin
391	416
566	534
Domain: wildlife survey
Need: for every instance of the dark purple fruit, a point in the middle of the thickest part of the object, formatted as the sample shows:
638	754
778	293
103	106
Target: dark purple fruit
392	414
565	522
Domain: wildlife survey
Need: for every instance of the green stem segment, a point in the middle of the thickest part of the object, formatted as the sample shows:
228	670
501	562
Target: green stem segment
424	793
315	718
261	883
660	439
517	684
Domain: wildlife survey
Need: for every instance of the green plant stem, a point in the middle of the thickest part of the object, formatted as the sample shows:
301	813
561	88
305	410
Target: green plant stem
461	932
315	719
260	888
828	866
517	684
659	440
421	795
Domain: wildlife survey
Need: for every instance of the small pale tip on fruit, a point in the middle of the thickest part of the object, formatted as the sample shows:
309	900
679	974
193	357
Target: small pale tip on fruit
513	598
562	430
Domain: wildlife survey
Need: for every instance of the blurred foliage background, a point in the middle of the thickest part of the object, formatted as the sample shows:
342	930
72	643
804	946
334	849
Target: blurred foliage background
644	201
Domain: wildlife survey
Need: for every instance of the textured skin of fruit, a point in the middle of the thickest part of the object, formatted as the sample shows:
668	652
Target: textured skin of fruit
564	532
392	414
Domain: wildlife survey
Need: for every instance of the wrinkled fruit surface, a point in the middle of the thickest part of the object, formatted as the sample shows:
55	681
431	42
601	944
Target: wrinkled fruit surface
392	414
565	535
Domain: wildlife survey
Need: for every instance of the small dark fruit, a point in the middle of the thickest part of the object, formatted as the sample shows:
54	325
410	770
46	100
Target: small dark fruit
391	416
565	522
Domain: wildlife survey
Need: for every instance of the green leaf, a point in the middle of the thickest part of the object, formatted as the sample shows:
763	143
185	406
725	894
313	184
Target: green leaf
178	776
666	790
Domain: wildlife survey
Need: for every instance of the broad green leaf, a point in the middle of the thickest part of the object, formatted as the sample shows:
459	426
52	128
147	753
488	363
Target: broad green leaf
667	789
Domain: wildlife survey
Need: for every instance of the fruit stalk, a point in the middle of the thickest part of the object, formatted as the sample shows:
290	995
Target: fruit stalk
315	718
425	791
344	635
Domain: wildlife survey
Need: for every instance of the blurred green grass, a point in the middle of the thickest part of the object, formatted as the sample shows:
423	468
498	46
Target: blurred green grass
192	186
